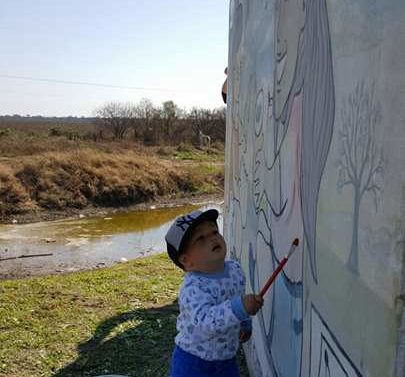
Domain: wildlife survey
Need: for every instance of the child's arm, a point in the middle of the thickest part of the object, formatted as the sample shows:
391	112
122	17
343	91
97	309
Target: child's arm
251	302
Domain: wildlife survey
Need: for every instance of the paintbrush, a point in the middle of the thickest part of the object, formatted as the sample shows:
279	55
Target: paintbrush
279	268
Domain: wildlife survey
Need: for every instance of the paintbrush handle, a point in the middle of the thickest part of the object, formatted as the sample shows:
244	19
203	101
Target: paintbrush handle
272	277
279	268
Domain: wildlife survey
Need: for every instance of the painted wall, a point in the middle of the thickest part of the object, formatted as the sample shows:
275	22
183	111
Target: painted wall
316	150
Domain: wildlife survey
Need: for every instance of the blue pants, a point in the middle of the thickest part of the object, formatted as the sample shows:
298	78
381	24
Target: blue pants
185	364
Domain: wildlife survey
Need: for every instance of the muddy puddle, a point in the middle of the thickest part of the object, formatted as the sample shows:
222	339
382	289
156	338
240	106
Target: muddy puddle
84	243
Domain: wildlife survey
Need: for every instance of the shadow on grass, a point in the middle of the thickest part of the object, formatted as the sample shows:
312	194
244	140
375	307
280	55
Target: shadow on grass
136	343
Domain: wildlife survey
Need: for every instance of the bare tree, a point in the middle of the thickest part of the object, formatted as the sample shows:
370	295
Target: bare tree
218	124
156	124
209	122
117	117
361	163
170	113
144	112
200	119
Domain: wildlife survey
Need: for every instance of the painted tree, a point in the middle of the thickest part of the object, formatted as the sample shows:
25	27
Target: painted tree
361	163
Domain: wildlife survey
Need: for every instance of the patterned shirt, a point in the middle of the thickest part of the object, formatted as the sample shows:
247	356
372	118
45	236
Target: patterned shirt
212	313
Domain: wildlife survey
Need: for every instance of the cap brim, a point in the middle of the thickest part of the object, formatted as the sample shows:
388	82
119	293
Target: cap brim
211	214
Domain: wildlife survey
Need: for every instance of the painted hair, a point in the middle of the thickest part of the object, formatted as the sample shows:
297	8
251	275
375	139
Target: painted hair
314	77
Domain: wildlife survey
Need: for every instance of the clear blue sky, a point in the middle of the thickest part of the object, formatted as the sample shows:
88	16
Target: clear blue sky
178	45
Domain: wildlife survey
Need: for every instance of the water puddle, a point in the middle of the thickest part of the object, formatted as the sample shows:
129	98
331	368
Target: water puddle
83	243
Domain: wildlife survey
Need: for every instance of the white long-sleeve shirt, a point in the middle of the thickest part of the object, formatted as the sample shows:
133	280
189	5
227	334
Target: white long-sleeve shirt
212	313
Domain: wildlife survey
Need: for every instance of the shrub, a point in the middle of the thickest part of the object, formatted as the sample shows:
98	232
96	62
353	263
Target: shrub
13	195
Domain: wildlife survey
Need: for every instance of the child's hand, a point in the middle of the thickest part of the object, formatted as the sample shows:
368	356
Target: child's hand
244	335
252	303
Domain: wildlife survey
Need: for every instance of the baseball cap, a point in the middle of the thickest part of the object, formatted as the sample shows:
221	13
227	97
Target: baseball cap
182	227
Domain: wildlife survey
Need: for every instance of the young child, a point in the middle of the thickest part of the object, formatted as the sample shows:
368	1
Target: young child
214	310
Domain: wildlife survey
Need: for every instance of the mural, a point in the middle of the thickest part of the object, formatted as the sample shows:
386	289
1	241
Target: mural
330	358
287	152
361	163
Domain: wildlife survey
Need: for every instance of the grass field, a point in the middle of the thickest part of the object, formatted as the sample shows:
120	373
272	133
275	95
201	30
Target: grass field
117	320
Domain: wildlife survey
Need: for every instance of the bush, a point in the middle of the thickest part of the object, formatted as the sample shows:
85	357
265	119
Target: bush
5	132
13	196
184	148
55	132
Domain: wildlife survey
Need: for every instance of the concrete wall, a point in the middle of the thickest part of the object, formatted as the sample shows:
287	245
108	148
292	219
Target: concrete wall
316	150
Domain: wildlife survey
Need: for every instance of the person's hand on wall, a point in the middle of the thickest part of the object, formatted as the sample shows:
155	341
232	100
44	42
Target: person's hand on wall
252	303
225	86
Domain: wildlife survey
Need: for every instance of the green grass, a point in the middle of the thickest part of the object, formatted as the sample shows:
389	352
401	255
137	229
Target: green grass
210	169
115	320
185	152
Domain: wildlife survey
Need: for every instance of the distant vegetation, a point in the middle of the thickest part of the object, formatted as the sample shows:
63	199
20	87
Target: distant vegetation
142	122
125	154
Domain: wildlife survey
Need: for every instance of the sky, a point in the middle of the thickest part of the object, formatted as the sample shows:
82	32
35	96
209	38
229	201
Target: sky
125	50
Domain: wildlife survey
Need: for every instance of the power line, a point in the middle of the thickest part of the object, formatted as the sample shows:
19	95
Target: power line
66	82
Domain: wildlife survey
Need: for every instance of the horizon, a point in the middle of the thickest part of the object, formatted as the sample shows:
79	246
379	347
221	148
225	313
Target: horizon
59	62
91	116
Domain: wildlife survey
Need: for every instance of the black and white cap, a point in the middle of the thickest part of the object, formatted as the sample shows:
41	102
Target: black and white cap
181	227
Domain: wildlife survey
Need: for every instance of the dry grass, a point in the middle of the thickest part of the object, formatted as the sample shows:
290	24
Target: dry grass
16	143
83	177
46	166
22	139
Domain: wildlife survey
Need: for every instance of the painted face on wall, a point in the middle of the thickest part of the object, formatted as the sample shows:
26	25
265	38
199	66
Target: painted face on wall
288	31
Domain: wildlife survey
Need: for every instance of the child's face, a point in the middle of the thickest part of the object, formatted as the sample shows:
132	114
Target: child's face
206	249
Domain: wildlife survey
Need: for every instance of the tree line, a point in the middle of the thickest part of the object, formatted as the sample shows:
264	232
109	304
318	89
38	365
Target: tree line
155	125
